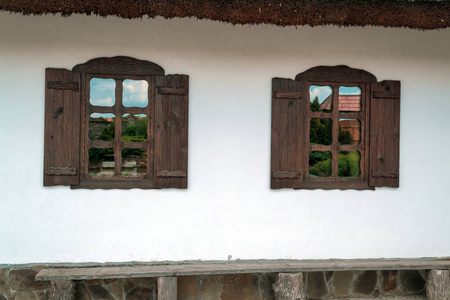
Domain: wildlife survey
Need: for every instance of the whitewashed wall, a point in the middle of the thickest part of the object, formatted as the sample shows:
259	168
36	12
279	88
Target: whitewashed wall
228	208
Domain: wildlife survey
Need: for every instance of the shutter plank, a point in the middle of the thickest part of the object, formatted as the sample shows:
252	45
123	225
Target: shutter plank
171	136
287	134
62	127
385	134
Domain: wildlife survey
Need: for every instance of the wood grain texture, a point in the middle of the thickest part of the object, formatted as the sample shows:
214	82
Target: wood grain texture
286	175
288	134
385	174
385	135
61	171
336	74
386	94
288	95
289	287
167	288
62	129
116	183
171	173
119	65
438	285
172	91
209	268
61	290
171	131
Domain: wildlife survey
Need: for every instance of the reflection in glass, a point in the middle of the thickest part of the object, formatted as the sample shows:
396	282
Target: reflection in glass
349	164
320	131
349	131
101	162
319	164
134	162
135	93
349	98
101	127
321	98
134	127
102	92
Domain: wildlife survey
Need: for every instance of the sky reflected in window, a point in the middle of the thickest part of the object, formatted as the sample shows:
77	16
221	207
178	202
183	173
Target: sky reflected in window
102	92
135	93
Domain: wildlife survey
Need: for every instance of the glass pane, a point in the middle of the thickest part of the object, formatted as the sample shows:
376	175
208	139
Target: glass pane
349	164
134	162
349	98
135	93
321	98
320	131
101	127
319	164
349	131
102	92
101	162
134	128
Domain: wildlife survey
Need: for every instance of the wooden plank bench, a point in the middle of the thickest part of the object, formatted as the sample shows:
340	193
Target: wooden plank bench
289	274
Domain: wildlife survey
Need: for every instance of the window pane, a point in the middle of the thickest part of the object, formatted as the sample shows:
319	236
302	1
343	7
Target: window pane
321	98
134	162
320	131
135	93
101	127
101	162
349	98
319	164
134	127
349	164
102	92
349	131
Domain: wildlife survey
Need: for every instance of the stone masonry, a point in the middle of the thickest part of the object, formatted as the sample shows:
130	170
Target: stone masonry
17	283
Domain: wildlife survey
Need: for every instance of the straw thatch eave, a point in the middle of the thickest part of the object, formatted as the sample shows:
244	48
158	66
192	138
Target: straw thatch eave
431	14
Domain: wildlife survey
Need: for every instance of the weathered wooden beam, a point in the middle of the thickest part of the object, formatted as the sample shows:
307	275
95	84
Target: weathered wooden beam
289	287
438	285
61	290
167	288
209	268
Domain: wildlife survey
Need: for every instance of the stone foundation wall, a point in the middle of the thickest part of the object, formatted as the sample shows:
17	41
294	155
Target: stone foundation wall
17	283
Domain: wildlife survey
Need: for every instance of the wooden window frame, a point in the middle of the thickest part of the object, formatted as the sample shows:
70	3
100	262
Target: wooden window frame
118	109
334	181
66	154
291	116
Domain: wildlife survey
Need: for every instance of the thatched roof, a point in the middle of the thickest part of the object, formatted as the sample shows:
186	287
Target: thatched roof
428	14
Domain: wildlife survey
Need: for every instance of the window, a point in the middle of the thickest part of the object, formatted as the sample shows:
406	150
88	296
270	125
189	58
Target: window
335	128
116	123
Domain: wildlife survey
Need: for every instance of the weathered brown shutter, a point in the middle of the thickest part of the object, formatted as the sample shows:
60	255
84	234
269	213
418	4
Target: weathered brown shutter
62	127
171	131
384	134
288	134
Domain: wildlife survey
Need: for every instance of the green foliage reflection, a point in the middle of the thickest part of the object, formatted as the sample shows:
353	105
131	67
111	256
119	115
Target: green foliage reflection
348	164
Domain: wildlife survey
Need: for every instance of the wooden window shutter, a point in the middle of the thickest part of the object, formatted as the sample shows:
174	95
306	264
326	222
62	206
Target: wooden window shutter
62	127
288	133
384	134
171	131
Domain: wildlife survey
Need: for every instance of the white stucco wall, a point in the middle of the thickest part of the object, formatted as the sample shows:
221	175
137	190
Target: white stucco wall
228	208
